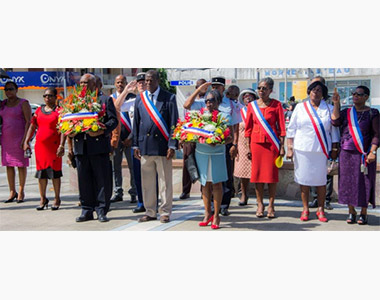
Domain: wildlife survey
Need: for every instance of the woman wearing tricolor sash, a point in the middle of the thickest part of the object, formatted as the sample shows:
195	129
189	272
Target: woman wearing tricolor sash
265	129
311	141
359	127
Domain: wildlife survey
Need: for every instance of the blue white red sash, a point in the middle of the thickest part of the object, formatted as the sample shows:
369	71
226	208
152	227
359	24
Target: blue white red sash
155	114
265	125
318	127
124	119
80	116
198	131
354	129
243	113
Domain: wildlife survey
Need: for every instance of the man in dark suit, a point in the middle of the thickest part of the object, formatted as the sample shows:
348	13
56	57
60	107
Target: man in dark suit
92	151
155	116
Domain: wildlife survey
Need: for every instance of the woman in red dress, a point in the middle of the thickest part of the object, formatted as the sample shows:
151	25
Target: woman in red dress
263	153
48	149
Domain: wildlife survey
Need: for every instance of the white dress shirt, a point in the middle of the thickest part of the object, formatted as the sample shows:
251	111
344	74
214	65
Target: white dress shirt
301	128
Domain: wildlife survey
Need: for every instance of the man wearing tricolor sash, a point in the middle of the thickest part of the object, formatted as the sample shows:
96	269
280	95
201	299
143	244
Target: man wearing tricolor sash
155	117
121	142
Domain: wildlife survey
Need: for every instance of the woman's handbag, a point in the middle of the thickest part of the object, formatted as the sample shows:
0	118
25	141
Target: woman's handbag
191	166
332	167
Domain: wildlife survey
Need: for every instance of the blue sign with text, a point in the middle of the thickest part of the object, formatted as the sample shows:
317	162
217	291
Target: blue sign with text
182	82
41	79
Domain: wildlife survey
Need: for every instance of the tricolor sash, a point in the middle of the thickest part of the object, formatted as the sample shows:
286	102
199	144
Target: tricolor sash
155	114
265	125
243	113
318	127
124	119
198	131
80	116
354	129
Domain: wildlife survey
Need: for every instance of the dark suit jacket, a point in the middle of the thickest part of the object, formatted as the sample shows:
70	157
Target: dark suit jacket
146	135
99	144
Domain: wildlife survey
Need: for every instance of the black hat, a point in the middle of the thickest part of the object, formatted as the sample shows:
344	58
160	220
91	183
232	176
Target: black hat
218	80
140	76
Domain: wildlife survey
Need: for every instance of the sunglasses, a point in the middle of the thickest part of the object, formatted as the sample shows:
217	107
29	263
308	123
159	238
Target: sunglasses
262	88
9	89
48	95
210	100
357	94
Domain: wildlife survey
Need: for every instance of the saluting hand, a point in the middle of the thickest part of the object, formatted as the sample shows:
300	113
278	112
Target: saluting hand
131	87
335	98
203	88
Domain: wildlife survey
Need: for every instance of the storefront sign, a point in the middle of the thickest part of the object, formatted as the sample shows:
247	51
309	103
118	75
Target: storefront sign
304	73
41	80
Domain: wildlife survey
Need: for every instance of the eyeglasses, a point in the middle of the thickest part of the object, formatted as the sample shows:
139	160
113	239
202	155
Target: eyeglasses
9	89
262	88
48	95
357	94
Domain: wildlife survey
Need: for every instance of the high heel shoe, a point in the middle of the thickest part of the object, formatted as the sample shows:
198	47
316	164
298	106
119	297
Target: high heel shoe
11	199
208	221
321	216
305	216
21	200
43	206
215	226
56	207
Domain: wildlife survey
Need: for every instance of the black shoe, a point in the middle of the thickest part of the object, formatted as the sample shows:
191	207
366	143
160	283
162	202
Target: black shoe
84	218
363	219
46	202
184	196
328	205
11	199
313	204
139	209
224	212
351	219
133	199
102	218
116	198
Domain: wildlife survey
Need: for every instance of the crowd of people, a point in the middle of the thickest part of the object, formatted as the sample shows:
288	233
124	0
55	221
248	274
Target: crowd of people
139	121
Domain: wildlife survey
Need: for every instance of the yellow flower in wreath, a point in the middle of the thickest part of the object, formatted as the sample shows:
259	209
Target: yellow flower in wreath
65	126
209	141
95	127
88	122
78	128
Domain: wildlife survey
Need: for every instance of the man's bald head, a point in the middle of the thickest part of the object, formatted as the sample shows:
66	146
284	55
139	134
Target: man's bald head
88	80
120	83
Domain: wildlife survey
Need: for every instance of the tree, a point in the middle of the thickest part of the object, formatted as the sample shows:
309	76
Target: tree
163	79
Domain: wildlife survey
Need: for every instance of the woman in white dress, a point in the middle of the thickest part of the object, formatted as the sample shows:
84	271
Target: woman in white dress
311	139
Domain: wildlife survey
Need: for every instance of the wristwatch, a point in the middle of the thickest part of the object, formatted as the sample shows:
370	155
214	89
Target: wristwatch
374	152
234	145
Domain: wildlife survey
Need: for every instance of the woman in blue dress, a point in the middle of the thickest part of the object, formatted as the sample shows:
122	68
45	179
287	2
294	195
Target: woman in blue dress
212	168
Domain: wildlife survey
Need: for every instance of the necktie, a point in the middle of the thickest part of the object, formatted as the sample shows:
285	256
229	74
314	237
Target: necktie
152	98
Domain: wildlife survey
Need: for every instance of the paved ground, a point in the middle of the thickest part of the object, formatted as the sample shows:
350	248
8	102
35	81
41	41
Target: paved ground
186	213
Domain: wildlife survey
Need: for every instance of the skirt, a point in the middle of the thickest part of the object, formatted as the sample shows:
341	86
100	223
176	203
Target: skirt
310	168
211	163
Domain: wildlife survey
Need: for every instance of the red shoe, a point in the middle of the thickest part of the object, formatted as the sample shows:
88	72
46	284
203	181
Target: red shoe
208	221
214	226
321	216
305	215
